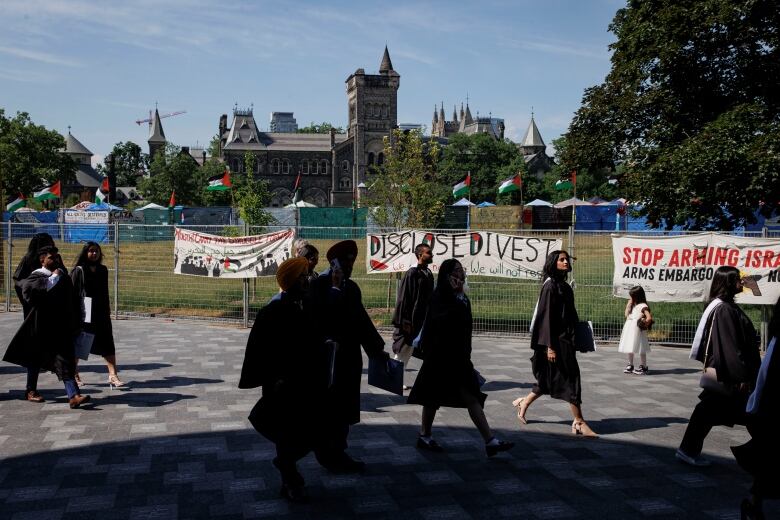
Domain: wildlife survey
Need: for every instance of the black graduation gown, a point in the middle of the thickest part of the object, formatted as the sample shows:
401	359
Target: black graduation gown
760	456
340	316
554	326
734	353
447	371
21	272
283	356
45	339
95	285
413	296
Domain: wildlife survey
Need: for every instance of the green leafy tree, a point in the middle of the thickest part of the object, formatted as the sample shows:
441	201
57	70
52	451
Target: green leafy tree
489	161
171	171
130	163
407	190
31	156
690	110
213	149
322	128
252	196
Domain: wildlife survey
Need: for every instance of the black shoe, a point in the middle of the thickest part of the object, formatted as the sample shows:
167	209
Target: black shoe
501	446
295	494
429	445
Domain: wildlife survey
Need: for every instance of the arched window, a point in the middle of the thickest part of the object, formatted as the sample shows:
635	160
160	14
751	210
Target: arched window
305	167
345	183
235	164
370	158
275	166
380	159
286	167
384	110
324	167
345	166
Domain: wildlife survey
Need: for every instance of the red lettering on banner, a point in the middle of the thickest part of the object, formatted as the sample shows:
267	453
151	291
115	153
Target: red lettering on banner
674	261
626	255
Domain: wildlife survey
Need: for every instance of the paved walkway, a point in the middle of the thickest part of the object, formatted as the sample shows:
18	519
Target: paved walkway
178	445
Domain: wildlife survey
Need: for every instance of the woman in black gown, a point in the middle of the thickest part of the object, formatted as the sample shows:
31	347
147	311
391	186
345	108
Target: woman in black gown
90	278
554	362
447	376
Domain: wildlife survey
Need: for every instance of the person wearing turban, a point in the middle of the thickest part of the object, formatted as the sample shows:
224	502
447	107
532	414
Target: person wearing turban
289	362
337	307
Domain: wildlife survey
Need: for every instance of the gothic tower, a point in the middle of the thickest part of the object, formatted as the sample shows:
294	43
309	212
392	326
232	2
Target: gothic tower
373	114
156	135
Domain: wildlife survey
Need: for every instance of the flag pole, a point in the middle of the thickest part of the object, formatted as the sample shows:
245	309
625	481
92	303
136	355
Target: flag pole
522	207
468	195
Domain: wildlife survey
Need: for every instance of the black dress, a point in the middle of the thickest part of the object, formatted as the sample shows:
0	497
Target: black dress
553	327
447	375
95	285
45	339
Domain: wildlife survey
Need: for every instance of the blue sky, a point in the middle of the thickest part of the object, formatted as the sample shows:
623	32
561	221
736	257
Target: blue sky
100	65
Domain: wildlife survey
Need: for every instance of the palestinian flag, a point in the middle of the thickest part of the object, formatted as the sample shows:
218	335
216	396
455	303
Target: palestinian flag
101	194
172	202
220	182
52	192
513	183
20	202
297	189
563	185
462	187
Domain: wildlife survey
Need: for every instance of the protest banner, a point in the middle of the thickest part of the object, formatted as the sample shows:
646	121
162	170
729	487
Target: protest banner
680	268
482	253
85	217
201	254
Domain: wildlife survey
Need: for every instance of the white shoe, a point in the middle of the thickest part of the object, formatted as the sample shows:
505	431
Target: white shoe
692	461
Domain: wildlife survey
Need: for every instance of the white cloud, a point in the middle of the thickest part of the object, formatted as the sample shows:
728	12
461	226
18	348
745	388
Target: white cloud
25	76
561	48
97	159
43	57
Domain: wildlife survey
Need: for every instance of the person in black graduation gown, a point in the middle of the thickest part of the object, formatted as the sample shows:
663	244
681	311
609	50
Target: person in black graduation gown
412	303
284	357
337	307
90	278
29	263
554	362
46	337
730	346
447	376
760	456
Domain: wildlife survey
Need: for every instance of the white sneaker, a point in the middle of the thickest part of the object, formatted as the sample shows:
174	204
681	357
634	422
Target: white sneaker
692	461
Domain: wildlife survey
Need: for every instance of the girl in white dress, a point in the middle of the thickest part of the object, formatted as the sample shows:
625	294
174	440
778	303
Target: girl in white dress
633	340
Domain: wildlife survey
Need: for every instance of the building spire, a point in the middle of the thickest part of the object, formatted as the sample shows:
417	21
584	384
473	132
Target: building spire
156	134
386	65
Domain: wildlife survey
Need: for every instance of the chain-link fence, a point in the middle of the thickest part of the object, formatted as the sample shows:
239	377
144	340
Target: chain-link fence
140	259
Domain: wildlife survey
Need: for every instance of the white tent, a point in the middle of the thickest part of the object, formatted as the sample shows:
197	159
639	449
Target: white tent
301	204
464	202
151	205
539	202
574	201
84	204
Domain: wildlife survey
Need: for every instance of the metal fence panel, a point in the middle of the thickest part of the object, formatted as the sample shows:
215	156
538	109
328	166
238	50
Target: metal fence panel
140	260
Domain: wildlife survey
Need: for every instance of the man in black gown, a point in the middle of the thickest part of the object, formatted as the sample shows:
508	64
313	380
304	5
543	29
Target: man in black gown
340	317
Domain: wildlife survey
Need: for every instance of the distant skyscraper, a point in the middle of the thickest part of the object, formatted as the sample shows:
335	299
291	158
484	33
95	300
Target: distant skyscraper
283	122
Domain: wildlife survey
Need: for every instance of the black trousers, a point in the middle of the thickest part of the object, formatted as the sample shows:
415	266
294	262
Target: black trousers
332	442
713	410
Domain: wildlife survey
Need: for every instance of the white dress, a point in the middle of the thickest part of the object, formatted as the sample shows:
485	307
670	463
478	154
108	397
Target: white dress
633	340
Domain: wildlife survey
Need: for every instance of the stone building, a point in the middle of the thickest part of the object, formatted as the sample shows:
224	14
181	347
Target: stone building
465	123
535	151
283	122
333	166
86	180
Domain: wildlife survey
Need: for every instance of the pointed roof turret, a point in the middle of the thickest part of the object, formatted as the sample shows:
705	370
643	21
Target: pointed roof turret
461	111
441	113
73	146
386	65
532	137
455	113
156	134
467	117
435	115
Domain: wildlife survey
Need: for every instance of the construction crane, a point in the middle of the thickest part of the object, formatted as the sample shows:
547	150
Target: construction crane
150	118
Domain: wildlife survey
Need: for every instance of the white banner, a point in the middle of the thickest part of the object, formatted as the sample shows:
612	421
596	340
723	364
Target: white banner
200	254
86	217
482	253
680	268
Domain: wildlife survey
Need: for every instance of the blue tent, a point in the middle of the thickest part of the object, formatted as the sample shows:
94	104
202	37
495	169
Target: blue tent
485	204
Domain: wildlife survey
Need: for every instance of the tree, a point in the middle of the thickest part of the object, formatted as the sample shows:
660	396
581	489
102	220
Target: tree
31	156
251	196
489	161
407	191
322	128
690	110
172	171
130	163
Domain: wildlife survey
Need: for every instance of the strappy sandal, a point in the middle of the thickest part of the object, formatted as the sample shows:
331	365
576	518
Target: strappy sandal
518	403
582	428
